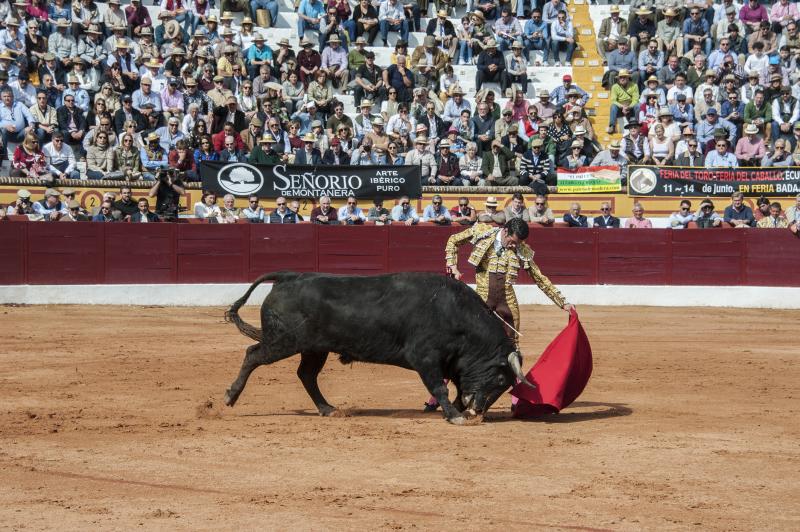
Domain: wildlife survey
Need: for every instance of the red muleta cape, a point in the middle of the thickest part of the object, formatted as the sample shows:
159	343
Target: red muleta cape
560	374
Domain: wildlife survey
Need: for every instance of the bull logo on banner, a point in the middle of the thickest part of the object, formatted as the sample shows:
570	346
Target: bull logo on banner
240	179
642	181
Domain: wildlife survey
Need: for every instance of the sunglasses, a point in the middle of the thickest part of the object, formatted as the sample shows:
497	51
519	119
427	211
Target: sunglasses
605	208
437	202
351	202
280	204
687	208
539	203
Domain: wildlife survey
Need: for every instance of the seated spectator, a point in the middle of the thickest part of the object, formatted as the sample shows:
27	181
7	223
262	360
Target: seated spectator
49	208
662	149
351	213
574	218
153	157
464	213
720	157
792	213
60	158
436	212
127	159
692	157
624	100
750	148
447	167
253	212
575	159
181	159
681	219
762	208
706	217
737	214
404	213
638	221
778	156
634	145
22	205
282	214
759	112
535	168
785	113
378	214
496	168
775	220
516	209
606	219
125	204
562	36
392	17
490	66
470	167
207	206
144	215
324	213
613	157
73	213
490	210
228	214
30	161
540	212
105	214
100	157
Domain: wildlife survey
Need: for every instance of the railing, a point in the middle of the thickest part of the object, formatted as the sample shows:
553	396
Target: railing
97	253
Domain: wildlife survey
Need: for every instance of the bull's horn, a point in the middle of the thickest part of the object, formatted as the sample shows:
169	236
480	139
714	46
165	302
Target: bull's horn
515	361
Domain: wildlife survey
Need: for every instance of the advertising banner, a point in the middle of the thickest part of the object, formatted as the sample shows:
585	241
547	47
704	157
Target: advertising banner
684	181
363	182
589	179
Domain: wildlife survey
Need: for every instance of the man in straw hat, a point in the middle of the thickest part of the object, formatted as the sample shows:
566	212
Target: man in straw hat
91	49
624	99
61	45
334	61
668	33
612	29
443	32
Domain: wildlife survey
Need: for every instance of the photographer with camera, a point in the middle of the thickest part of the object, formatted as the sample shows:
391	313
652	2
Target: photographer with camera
22	205
168	191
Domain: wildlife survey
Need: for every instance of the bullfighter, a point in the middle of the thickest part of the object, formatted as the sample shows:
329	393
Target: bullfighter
498	254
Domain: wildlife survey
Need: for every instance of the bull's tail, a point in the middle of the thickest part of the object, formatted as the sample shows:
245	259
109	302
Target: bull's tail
232	314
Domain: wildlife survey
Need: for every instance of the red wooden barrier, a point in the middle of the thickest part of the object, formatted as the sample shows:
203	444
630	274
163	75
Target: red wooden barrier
12	257
92	253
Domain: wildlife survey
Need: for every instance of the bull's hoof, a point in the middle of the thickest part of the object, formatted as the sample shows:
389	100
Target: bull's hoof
230	401
330	411
459	420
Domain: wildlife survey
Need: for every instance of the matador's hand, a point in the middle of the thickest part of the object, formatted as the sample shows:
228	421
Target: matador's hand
454	272
569	307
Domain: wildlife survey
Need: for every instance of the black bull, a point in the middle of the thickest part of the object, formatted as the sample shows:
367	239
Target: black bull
424	322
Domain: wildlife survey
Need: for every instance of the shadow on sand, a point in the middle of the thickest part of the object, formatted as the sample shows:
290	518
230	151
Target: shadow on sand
578	411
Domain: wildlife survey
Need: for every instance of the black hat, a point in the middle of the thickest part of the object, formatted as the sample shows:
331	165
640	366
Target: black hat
632	123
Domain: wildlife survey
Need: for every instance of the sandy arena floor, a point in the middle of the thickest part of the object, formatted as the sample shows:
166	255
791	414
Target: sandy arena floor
111	418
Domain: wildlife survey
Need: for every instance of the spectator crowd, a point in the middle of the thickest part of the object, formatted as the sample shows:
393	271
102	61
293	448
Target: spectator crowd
115	94
768	214
705	84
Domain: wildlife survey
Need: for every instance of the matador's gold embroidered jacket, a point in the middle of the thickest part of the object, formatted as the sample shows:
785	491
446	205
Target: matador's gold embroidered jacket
509	262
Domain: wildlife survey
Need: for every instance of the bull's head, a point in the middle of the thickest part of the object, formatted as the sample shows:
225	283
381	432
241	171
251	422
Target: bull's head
478	399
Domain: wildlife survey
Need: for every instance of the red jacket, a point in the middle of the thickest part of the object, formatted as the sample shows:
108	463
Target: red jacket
218	139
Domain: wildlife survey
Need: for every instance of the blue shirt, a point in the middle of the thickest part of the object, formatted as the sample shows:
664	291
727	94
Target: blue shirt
81	98
254	54
139	99
431	213
18	115
715	160
153	164
400	215
311	9
532	27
